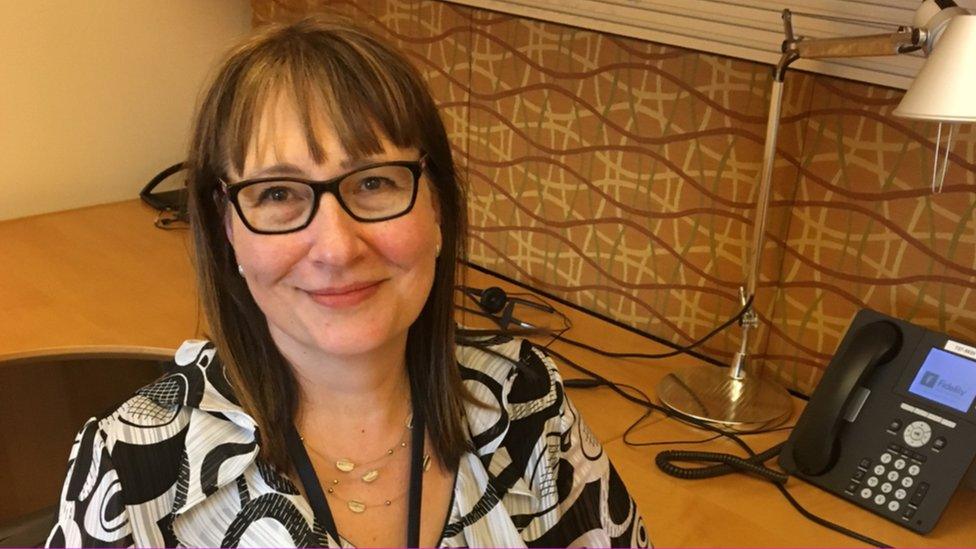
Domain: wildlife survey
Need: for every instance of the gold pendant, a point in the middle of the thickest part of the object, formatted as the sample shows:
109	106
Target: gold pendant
345	465
356	506
371	475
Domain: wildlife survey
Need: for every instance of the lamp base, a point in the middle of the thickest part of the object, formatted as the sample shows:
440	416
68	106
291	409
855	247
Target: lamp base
711	395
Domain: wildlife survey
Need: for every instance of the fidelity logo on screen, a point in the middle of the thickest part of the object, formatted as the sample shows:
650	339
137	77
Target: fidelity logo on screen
932	381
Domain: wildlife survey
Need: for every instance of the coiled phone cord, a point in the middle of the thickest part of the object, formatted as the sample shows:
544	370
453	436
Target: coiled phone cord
728	463
725	464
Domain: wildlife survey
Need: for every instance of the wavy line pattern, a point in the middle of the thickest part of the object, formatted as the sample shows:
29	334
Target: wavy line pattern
621	174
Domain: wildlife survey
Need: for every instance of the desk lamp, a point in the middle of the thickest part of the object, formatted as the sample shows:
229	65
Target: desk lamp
942	91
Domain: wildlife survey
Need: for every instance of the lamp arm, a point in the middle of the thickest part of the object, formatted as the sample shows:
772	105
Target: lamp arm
906	39
872	45
931	18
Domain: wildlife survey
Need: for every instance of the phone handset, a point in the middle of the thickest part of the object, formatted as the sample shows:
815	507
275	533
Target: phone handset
816	447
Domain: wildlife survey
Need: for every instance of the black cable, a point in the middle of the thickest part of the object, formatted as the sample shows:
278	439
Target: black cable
583	383
678	350
567	324
727	463
659	442
752	464
563	301
648	404
170	221
826	523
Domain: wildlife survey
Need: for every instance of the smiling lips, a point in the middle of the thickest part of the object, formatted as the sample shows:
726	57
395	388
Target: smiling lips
345	296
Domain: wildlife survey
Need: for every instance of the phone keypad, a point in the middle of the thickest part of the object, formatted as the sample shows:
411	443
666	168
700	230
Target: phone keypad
890	482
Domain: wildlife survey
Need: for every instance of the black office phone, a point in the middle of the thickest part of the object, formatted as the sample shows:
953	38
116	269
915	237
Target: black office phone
891	426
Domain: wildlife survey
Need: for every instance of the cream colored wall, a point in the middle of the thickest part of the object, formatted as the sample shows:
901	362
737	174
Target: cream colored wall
96	96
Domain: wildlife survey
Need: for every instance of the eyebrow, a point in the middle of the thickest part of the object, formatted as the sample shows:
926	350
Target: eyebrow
282	168
288	169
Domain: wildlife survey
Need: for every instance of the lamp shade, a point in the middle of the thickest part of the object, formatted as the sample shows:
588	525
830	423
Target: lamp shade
945	88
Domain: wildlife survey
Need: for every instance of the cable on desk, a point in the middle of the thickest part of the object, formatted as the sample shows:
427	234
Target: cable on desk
679	350
559	335
170	221
583	383
734	463
727	463
827	524
646	402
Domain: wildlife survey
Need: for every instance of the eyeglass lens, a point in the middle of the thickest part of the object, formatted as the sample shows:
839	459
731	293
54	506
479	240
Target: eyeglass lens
374	193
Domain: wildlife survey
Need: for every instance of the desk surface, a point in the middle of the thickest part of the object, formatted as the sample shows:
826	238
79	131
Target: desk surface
105	275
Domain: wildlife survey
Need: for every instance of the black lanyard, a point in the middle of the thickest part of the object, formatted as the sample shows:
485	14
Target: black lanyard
313	489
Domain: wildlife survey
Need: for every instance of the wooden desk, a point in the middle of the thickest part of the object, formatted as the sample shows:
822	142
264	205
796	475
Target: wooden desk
105	275
102	275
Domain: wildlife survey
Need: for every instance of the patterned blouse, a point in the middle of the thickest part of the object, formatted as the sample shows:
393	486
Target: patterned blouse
176	465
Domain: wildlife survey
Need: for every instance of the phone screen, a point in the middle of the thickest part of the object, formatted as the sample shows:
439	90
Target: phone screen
947	379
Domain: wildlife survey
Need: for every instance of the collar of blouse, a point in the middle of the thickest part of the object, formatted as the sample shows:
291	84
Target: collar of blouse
221	440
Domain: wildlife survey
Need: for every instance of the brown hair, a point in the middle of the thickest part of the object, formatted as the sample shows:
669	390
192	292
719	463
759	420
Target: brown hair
365	89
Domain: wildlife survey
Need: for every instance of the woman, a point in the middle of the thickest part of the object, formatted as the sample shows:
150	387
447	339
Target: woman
332	406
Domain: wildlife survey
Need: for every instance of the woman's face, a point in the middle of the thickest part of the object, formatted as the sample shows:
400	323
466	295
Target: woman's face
339	287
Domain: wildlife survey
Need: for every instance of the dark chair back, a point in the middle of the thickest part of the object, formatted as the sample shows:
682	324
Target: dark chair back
45	398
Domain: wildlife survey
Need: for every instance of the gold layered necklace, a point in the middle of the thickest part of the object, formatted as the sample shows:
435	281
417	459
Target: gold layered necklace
349	472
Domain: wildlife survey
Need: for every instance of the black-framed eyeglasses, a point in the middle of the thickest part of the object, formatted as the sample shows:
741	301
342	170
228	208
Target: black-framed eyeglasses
375	192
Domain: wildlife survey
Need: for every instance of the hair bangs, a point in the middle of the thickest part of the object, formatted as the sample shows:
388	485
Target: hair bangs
330	86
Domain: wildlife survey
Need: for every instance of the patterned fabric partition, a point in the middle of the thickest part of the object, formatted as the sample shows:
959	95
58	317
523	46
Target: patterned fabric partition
621	175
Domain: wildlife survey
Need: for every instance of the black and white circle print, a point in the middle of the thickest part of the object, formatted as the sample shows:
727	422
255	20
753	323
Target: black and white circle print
197	361
491	425
275	480
215	458
192	360
94	495
107	519
590	446
269	517
179	465
199	352
144	411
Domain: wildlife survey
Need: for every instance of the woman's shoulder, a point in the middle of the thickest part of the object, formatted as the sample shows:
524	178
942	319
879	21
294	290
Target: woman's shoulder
165	449
511	376
160	412
506	360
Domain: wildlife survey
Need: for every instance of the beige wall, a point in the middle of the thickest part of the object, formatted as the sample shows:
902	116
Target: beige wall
96	96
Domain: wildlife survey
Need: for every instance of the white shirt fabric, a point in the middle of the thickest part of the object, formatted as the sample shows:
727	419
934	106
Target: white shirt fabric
177	465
